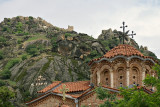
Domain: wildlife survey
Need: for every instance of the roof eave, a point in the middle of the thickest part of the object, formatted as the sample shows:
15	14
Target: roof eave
121	56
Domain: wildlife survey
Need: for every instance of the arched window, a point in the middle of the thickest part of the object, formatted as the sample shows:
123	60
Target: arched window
105	77
135	77
147	72
121	77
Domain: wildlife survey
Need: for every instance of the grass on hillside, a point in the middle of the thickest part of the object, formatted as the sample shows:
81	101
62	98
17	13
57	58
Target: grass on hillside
36	37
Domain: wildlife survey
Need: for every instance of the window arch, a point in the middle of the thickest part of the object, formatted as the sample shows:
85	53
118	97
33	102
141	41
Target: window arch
147	73
135	76
105	78
121	77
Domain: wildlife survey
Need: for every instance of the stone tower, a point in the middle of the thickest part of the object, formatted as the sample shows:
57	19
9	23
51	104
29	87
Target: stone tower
70	28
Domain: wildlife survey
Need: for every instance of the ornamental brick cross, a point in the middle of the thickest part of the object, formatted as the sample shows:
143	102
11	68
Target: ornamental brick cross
64	90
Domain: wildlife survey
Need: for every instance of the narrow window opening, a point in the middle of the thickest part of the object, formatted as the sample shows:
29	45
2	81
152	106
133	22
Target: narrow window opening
121	77
120	84
134	77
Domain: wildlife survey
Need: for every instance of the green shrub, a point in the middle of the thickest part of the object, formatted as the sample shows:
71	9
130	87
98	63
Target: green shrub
40	48
24	56
19	29
1	55
2	83
87	59
11	63
54	44
5	97
34	49
6	74
93	53
19	41
30	18
2	40
67	34
110	43
5	28
26	96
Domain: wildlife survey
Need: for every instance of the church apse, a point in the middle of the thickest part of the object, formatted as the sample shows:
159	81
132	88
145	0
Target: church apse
122	66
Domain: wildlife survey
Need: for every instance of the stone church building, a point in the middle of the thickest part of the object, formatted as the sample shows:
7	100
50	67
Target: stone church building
122	66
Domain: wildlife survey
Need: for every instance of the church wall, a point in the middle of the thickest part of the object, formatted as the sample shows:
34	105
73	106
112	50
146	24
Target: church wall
90	100
136	71
121	72
52	101
119	75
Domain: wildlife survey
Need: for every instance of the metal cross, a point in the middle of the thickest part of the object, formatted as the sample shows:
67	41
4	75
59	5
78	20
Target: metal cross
64	90
132	34
124	26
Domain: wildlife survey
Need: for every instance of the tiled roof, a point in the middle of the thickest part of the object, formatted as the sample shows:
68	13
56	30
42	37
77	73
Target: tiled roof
110	88
50	87
145	89
74	86
64	106
123	50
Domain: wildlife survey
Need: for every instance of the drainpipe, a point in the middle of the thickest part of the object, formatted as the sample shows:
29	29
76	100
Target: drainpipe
76	101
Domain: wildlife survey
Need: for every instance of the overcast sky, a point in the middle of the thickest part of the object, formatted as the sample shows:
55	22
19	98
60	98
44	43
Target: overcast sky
92	16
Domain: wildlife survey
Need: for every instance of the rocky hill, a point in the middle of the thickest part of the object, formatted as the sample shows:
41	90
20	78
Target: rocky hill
34	53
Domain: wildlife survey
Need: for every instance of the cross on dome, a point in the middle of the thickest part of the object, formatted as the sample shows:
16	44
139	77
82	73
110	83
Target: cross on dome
125	34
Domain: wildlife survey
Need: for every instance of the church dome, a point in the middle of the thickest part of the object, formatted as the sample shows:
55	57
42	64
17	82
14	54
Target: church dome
124	50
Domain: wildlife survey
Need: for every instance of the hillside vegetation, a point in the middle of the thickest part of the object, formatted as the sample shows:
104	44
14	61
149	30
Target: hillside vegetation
31	48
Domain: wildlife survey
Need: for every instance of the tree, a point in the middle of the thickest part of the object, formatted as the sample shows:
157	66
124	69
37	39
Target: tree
134	97
154	82
5	96
104	94
138	97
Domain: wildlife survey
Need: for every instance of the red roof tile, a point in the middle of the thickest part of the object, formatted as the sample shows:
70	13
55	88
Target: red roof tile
64	106
74	86
50	87
123	49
